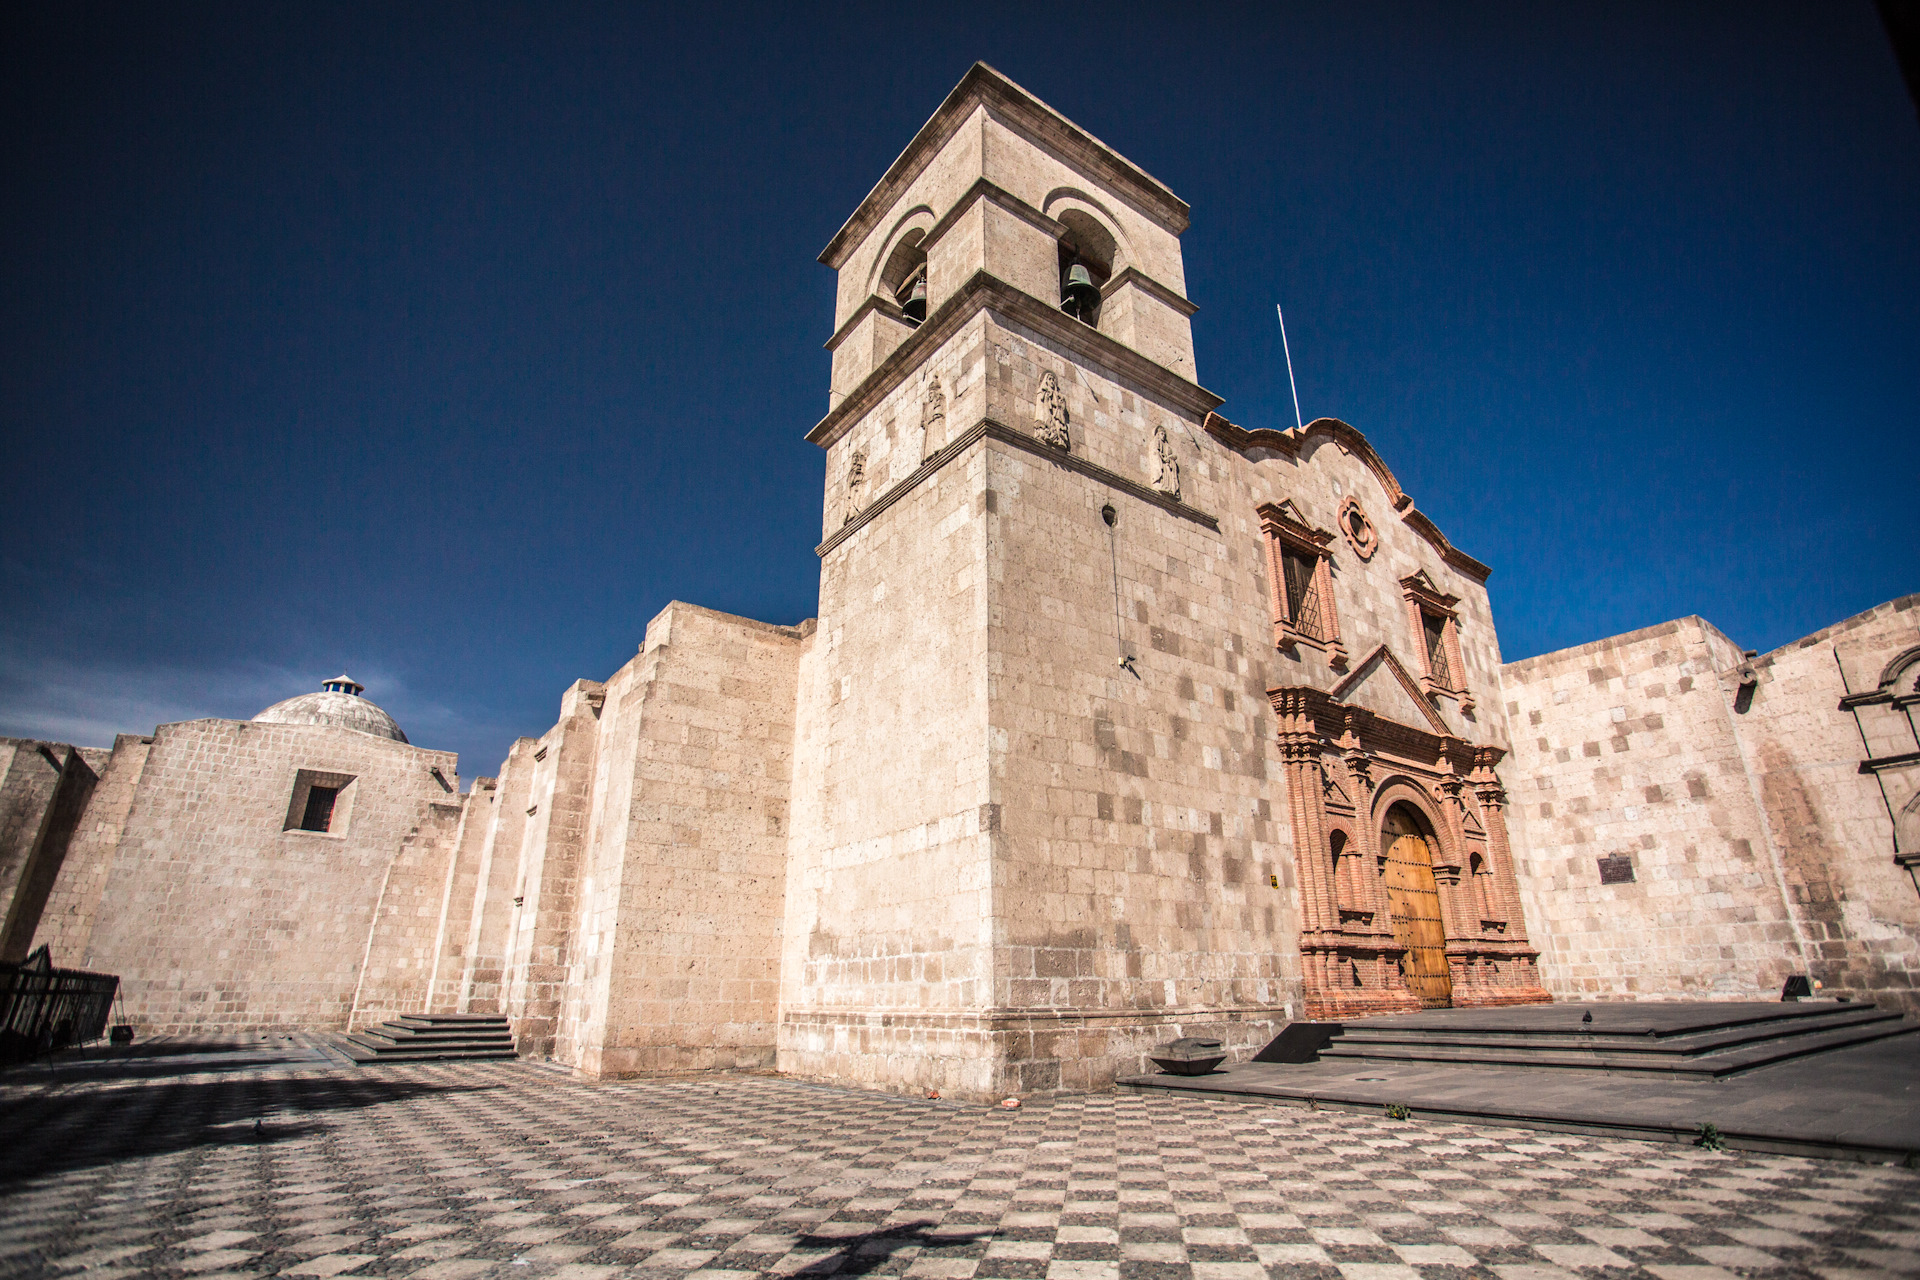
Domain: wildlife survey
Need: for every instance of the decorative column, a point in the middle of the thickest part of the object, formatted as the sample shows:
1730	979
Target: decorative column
1493	804
1516	976
1332	953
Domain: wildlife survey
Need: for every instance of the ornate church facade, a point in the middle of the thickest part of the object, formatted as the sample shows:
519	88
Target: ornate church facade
1118	722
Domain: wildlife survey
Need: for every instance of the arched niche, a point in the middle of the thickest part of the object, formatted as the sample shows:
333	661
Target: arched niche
1448	857
1091	226
905	253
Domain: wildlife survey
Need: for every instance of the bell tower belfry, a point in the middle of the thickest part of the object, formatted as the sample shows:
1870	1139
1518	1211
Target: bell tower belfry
998	189
1019	859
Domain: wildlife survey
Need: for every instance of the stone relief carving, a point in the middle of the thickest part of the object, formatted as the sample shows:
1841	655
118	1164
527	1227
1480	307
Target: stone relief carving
1166	476
1357	529
1052	413
933	418
856	476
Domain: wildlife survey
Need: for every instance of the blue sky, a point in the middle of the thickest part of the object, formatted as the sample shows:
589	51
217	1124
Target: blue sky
447	344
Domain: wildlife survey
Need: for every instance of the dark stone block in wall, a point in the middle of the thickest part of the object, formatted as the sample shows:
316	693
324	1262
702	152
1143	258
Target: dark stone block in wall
1616	869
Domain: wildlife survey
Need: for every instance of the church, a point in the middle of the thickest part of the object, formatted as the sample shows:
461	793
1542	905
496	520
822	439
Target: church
1118	722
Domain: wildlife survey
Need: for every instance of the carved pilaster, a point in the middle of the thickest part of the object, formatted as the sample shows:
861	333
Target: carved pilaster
1493	807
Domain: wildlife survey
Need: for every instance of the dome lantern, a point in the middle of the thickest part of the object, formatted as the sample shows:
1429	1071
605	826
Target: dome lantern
338	705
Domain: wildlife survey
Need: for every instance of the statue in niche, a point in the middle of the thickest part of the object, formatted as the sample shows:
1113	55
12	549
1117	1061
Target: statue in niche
933	418
1052	413
856	475
1166	476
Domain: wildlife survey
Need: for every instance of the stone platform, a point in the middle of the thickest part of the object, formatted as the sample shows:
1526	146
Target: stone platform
1821	1079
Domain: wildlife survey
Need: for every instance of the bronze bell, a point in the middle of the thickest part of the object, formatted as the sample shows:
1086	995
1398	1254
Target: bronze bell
915	305
1078	295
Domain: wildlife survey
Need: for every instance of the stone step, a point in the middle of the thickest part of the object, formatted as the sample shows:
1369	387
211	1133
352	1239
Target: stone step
432	1037
453	1019
376	1039
1692	1041
1725	1061
363	1054
400	1030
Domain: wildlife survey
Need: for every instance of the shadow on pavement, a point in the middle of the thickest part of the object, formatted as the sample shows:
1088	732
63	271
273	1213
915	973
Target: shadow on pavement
161	1059
46	1132
857	1255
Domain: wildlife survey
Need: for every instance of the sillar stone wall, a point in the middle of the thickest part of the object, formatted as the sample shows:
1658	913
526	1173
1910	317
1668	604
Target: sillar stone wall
214	915
1755	845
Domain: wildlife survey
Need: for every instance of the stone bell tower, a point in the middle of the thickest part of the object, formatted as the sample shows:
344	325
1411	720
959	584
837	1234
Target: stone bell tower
1030	828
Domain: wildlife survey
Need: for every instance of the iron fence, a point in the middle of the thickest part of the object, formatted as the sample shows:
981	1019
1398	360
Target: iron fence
44	1008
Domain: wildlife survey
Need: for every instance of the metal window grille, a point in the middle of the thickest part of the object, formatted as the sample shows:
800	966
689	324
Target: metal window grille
1303	593
1436	628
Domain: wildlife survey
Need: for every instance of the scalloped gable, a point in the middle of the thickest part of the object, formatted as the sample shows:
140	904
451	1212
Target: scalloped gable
1291	441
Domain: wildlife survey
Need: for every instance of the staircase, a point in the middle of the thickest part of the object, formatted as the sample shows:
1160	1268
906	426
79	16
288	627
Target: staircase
432	1037
1685	1041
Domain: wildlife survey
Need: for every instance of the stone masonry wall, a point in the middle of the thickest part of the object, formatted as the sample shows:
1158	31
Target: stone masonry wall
1626	750
1858	912
66	923
459	896
684	872
1145	825
396	975
215	916
540	948
490	925
887	950
44	791
1757	848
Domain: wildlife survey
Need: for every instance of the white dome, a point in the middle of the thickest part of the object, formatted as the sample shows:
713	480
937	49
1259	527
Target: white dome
338	705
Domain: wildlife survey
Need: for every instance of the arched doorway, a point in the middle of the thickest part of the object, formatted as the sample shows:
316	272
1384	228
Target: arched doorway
1414	902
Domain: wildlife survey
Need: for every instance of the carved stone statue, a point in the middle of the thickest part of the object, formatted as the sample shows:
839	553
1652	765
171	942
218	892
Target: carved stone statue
1167	475
1052	413
856	475
933	419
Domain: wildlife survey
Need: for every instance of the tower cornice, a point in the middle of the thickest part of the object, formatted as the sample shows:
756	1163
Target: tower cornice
1033	119
985	292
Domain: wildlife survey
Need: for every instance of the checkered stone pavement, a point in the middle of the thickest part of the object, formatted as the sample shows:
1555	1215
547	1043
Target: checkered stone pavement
457	1170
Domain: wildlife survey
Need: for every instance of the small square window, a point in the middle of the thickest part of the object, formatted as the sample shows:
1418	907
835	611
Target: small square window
319	814
321	802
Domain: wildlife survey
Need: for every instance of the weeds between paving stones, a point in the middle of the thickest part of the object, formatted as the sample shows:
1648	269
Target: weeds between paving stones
1710	1138
1398	1111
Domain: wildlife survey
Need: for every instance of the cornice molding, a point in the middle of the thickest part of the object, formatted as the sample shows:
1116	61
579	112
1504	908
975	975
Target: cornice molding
1026	115
1395	743
1293	440
1148	285
988	429
988	189
872	302
985	291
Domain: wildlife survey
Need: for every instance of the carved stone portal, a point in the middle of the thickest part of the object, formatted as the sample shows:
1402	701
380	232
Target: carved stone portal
1376	808
1052	413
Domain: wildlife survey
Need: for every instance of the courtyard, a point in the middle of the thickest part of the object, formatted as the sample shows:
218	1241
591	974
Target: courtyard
267	1156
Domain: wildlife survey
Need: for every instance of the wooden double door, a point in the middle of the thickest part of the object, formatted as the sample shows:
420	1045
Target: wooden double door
1413	900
